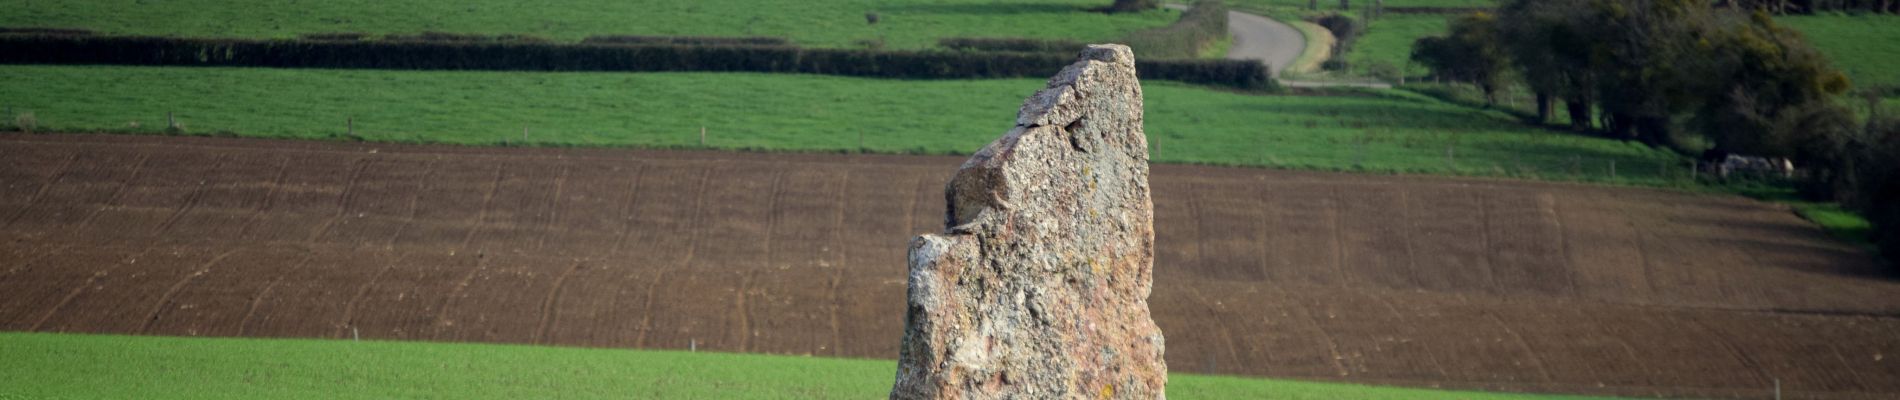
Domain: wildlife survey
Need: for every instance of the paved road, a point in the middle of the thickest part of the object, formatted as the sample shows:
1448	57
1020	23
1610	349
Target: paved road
1275	44
1261	38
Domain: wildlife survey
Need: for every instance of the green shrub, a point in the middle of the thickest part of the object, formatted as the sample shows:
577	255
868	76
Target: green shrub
25	122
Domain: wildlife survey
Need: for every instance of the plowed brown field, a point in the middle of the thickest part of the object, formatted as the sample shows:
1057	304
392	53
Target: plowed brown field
1417	281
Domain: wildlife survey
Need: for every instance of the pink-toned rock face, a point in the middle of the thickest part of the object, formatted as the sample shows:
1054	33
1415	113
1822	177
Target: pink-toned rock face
1039	287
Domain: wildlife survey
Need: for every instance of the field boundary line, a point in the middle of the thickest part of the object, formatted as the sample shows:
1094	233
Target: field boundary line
1484	235
1542	369
554	207
481	216
441	321
771	259
1332	345
1409	232
357	165
626	210
837	270
1226	332
81	289
192	200
1563	241
158	307
1733	351
349	309
138	168
1333	210
692	242
1413	330
244	324
270	198
65	168
739	307
415	200
551	304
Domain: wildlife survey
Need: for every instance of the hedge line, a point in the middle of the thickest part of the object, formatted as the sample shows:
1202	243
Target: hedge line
532	56
1020	45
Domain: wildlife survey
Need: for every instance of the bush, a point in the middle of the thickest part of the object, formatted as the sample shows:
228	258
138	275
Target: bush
528	56
1346	31
1200	26
26	122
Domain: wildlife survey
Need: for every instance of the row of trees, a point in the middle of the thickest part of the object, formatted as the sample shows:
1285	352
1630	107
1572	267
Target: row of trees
1651	70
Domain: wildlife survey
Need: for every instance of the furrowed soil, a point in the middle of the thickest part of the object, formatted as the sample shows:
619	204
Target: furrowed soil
1416	281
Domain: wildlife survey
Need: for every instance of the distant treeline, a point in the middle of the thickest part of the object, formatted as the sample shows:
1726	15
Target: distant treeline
526	55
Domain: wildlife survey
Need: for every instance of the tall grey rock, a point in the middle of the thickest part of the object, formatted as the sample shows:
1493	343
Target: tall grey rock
1039	286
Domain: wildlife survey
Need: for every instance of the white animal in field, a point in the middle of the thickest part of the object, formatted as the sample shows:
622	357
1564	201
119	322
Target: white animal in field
1755	166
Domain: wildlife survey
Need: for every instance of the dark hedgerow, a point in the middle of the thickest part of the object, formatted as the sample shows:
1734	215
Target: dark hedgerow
1020	45
543	56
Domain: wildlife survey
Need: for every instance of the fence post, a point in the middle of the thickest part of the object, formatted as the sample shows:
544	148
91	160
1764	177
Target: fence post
349	126
1612	169
170	121
702	136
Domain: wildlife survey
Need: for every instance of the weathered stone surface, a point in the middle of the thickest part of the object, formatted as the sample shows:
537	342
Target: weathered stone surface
1039	287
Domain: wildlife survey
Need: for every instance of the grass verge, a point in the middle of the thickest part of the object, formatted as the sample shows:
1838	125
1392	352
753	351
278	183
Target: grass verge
63	366
1394	132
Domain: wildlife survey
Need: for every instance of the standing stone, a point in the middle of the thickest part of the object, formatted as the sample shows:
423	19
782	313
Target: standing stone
1039	287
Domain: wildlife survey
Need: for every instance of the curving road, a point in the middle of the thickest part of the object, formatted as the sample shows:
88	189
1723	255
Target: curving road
1275	44
1260	38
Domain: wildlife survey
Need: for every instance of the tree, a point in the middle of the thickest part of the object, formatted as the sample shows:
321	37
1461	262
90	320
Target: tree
1471	52
1774	90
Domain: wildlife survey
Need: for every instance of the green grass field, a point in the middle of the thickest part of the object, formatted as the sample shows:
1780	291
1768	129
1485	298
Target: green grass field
1389	40
1333	5
825	23
1384	132
52	366
1866	47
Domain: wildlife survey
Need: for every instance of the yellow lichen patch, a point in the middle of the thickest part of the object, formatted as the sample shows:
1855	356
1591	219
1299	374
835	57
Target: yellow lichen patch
1108	391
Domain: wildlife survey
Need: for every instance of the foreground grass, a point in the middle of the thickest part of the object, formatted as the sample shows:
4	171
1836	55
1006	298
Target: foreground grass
50	366
825	23
1866	47
1382	132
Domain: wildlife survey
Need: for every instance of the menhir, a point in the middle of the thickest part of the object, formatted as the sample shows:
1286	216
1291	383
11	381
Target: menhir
1039	287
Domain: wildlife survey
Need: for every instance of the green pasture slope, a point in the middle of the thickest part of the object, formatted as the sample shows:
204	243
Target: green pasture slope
1389	40
819	23
56	366
1867	47
1381	132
